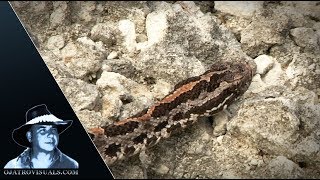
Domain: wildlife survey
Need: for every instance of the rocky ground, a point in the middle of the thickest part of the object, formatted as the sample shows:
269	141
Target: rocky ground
113	59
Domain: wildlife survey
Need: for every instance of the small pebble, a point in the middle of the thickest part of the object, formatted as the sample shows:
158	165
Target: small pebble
219	139
264	64
162	169
112	55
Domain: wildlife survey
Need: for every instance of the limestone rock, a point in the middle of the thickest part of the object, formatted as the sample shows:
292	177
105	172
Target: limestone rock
114	87
55	42
281	167
90	119
238	8
128	32
263	33
272	129
81	59
104	32
81	95
264	64
58	16
305	37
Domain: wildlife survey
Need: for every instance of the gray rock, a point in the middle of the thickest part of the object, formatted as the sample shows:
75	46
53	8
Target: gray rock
104	32
235	23
285	52
85	11
82	58
238	8
162	169
175	46
263	33
160	89
81	95
55	42
114	87
308	149
257	85
90	118
110	107
38	7
122	66
316	26
305	37
281	167
58	16
297	12
57	68
230	175
307	8
304	70
273	127
264	64
219	125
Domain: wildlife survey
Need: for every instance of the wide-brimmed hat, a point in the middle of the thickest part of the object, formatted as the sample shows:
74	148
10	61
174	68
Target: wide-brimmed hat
38	115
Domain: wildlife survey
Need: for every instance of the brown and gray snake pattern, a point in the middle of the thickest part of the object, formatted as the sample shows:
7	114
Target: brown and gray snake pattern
195	97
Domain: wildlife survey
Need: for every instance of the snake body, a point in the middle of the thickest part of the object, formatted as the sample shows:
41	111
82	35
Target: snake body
195	97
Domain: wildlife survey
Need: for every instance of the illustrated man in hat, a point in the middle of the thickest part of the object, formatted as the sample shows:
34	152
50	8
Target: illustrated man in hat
40	135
